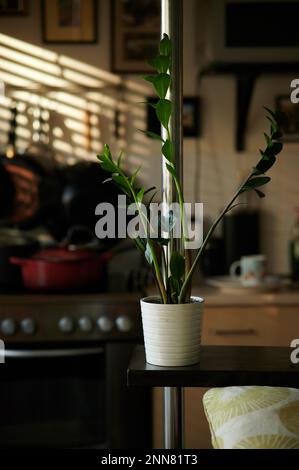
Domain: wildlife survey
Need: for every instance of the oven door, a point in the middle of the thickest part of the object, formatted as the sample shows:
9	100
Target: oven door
53	397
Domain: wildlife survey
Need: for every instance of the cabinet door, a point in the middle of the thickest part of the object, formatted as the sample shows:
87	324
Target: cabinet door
288	324
241	326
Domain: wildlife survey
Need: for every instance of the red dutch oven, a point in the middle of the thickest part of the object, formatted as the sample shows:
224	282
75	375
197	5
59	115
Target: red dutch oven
61	269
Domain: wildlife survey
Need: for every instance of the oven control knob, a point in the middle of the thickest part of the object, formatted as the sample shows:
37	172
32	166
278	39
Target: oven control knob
124	324
105	324
28	326
85	324
66	324
8	327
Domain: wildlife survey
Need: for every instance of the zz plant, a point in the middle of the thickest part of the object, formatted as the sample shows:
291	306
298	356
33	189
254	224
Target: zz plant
175	286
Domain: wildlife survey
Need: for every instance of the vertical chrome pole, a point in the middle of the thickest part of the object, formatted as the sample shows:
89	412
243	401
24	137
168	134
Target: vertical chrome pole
172	24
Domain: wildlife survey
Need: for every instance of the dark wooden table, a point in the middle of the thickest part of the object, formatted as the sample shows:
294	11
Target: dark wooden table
220	366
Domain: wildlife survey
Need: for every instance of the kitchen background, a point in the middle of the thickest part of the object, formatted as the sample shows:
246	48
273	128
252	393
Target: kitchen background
212	165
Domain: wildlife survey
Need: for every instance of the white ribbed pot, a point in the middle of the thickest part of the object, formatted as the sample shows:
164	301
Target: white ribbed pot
172	332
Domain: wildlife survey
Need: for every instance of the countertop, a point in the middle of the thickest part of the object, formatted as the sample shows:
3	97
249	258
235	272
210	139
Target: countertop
213	297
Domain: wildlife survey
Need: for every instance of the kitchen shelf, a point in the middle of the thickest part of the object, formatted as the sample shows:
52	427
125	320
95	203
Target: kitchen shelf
246	75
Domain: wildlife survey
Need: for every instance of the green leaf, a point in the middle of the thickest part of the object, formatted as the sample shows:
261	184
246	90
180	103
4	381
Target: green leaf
118	179
140	195
108	166
281	118
152	135
152	105
163	112
264	165
107	152
268	140
273	126
173	289
259	193
276	134
161	63
161	83
167	150
120	158
148	254
150	78
177	265
134	176
171	170
255	183
275	149
270	112
165	45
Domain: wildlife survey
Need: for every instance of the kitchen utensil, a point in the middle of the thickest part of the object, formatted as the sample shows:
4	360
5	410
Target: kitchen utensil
252	270
61	269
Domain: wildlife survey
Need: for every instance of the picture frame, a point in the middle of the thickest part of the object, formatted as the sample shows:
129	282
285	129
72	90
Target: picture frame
291	127
13	7
191	124
135	29
69	21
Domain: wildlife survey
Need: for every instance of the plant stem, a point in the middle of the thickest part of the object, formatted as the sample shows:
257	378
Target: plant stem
152	250
187	282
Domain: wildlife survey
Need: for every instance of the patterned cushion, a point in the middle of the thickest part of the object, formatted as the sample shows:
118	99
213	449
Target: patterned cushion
253	417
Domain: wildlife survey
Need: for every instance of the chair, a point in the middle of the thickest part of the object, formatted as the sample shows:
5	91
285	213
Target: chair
253	417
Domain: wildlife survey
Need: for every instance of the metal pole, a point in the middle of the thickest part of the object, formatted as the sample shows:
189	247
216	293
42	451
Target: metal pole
172	24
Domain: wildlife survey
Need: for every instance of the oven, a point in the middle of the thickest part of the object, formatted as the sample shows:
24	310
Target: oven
64	384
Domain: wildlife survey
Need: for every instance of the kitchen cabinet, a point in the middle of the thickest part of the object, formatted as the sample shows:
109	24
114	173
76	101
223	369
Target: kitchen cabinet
263	320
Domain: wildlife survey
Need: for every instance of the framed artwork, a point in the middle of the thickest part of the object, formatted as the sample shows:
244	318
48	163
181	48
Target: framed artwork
69	21
291	128
191	125
135	27
13	7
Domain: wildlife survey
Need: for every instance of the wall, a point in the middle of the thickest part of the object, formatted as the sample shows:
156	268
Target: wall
212	166
28	28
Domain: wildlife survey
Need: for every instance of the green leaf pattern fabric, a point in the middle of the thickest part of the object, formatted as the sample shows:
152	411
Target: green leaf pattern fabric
253	417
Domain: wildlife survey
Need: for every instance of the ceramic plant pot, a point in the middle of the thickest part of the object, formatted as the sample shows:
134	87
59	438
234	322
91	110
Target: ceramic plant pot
172	332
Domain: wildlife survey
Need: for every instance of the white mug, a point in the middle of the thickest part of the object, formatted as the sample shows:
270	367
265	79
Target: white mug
252	270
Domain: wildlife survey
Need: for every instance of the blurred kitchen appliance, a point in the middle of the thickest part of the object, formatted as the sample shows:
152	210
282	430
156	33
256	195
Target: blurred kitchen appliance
212	263
83	191
251	31
64	378
241	236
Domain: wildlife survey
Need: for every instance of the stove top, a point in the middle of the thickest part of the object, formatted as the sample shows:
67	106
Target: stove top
69	317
